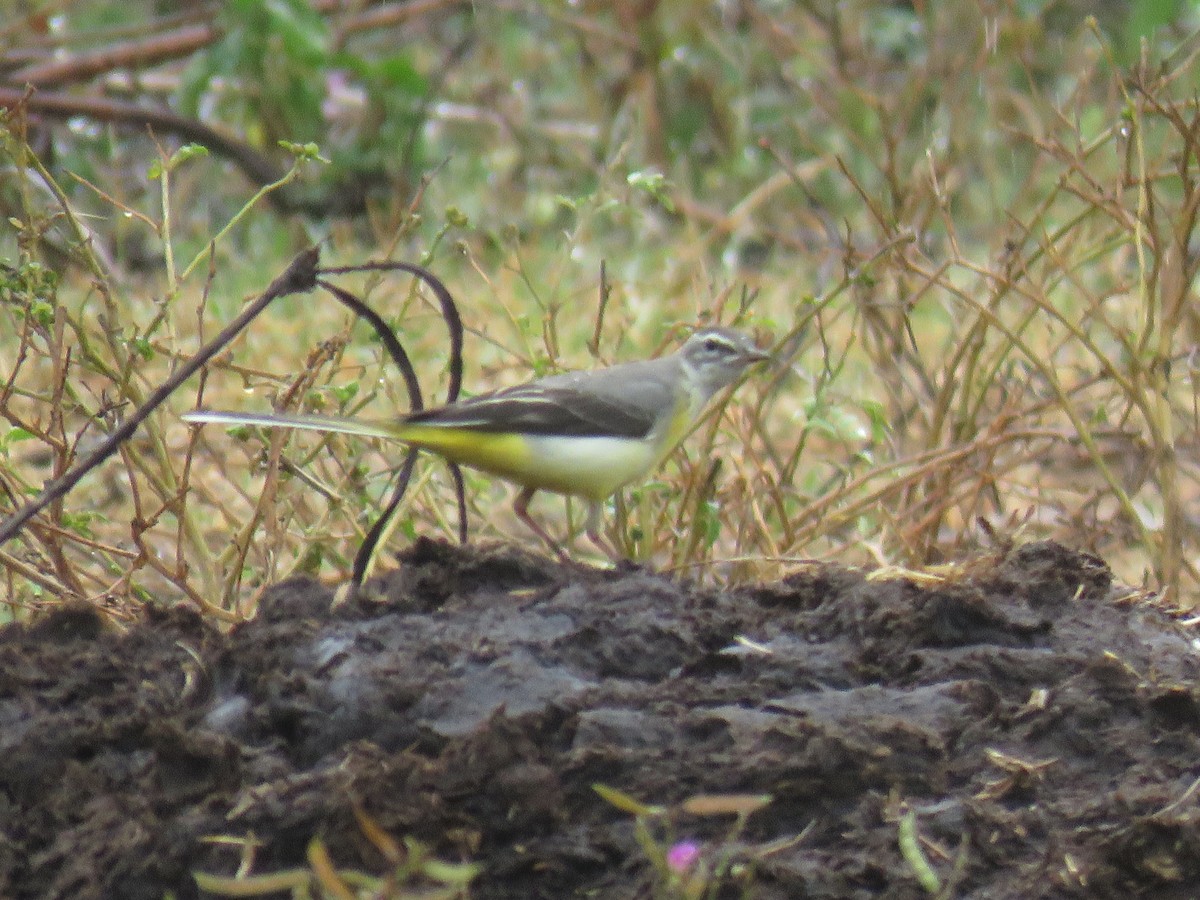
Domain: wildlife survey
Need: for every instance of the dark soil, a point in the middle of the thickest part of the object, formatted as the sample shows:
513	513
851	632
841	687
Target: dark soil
1046	734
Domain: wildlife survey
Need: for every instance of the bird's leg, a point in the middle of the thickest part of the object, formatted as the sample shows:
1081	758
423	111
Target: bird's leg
597	538
521	508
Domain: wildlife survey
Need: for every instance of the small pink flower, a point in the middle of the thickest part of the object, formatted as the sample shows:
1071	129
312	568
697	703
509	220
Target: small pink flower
683	856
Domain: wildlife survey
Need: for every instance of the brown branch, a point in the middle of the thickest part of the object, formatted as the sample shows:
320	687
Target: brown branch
180	41
124	55
258	167
385	15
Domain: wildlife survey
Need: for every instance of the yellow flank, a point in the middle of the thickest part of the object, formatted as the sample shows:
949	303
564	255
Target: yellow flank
501	454
591	467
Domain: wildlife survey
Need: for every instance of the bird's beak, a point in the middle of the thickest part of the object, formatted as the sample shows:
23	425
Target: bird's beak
757	356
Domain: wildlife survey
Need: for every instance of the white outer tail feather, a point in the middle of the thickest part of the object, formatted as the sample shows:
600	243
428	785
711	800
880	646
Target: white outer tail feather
293	420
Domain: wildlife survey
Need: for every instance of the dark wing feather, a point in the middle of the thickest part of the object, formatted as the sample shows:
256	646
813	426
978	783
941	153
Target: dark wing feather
615	402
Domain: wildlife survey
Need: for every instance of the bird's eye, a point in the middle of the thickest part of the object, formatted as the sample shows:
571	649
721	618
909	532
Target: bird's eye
712	345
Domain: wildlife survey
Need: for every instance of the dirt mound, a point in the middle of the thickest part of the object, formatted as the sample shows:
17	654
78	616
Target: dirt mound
1045	735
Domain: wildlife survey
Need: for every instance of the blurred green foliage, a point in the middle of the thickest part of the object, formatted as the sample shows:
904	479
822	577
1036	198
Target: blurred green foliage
521	112
266	74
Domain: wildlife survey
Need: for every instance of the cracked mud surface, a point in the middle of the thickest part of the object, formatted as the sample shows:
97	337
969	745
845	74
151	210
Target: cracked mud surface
1046	735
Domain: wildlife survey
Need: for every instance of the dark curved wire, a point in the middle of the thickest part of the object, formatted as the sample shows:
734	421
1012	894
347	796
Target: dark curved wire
460	497
387	336
366	550
454	326
449	311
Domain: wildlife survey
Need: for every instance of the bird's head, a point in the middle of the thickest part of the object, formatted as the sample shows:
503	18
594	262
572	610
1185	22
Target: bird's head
715	357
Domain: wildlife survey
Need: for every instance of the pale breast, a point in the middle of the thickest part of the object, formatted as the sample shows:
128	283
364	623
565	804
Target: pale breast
592	467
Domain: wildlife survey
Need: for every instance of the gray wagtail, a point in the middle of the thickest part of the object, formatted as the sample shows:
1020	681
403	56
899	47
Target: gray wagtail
585	434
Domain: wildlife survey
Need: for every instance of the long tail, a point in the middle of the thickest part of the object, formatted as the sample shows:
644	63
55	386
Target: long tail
285	420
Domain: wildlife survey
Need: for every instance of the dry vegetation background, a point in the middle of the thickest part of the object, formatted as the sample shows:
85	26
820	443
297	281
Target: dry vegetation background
967	229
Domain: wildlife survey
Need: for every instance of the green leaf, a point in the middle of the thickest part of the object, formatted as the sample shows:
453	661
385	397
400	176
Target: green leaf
910	849
711	512
184	153
877	416
80	522
655	185
399	73
302	31
304	152
13	436
835	421
626	803
42	312
344	394
448	872
1146	17
142	347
